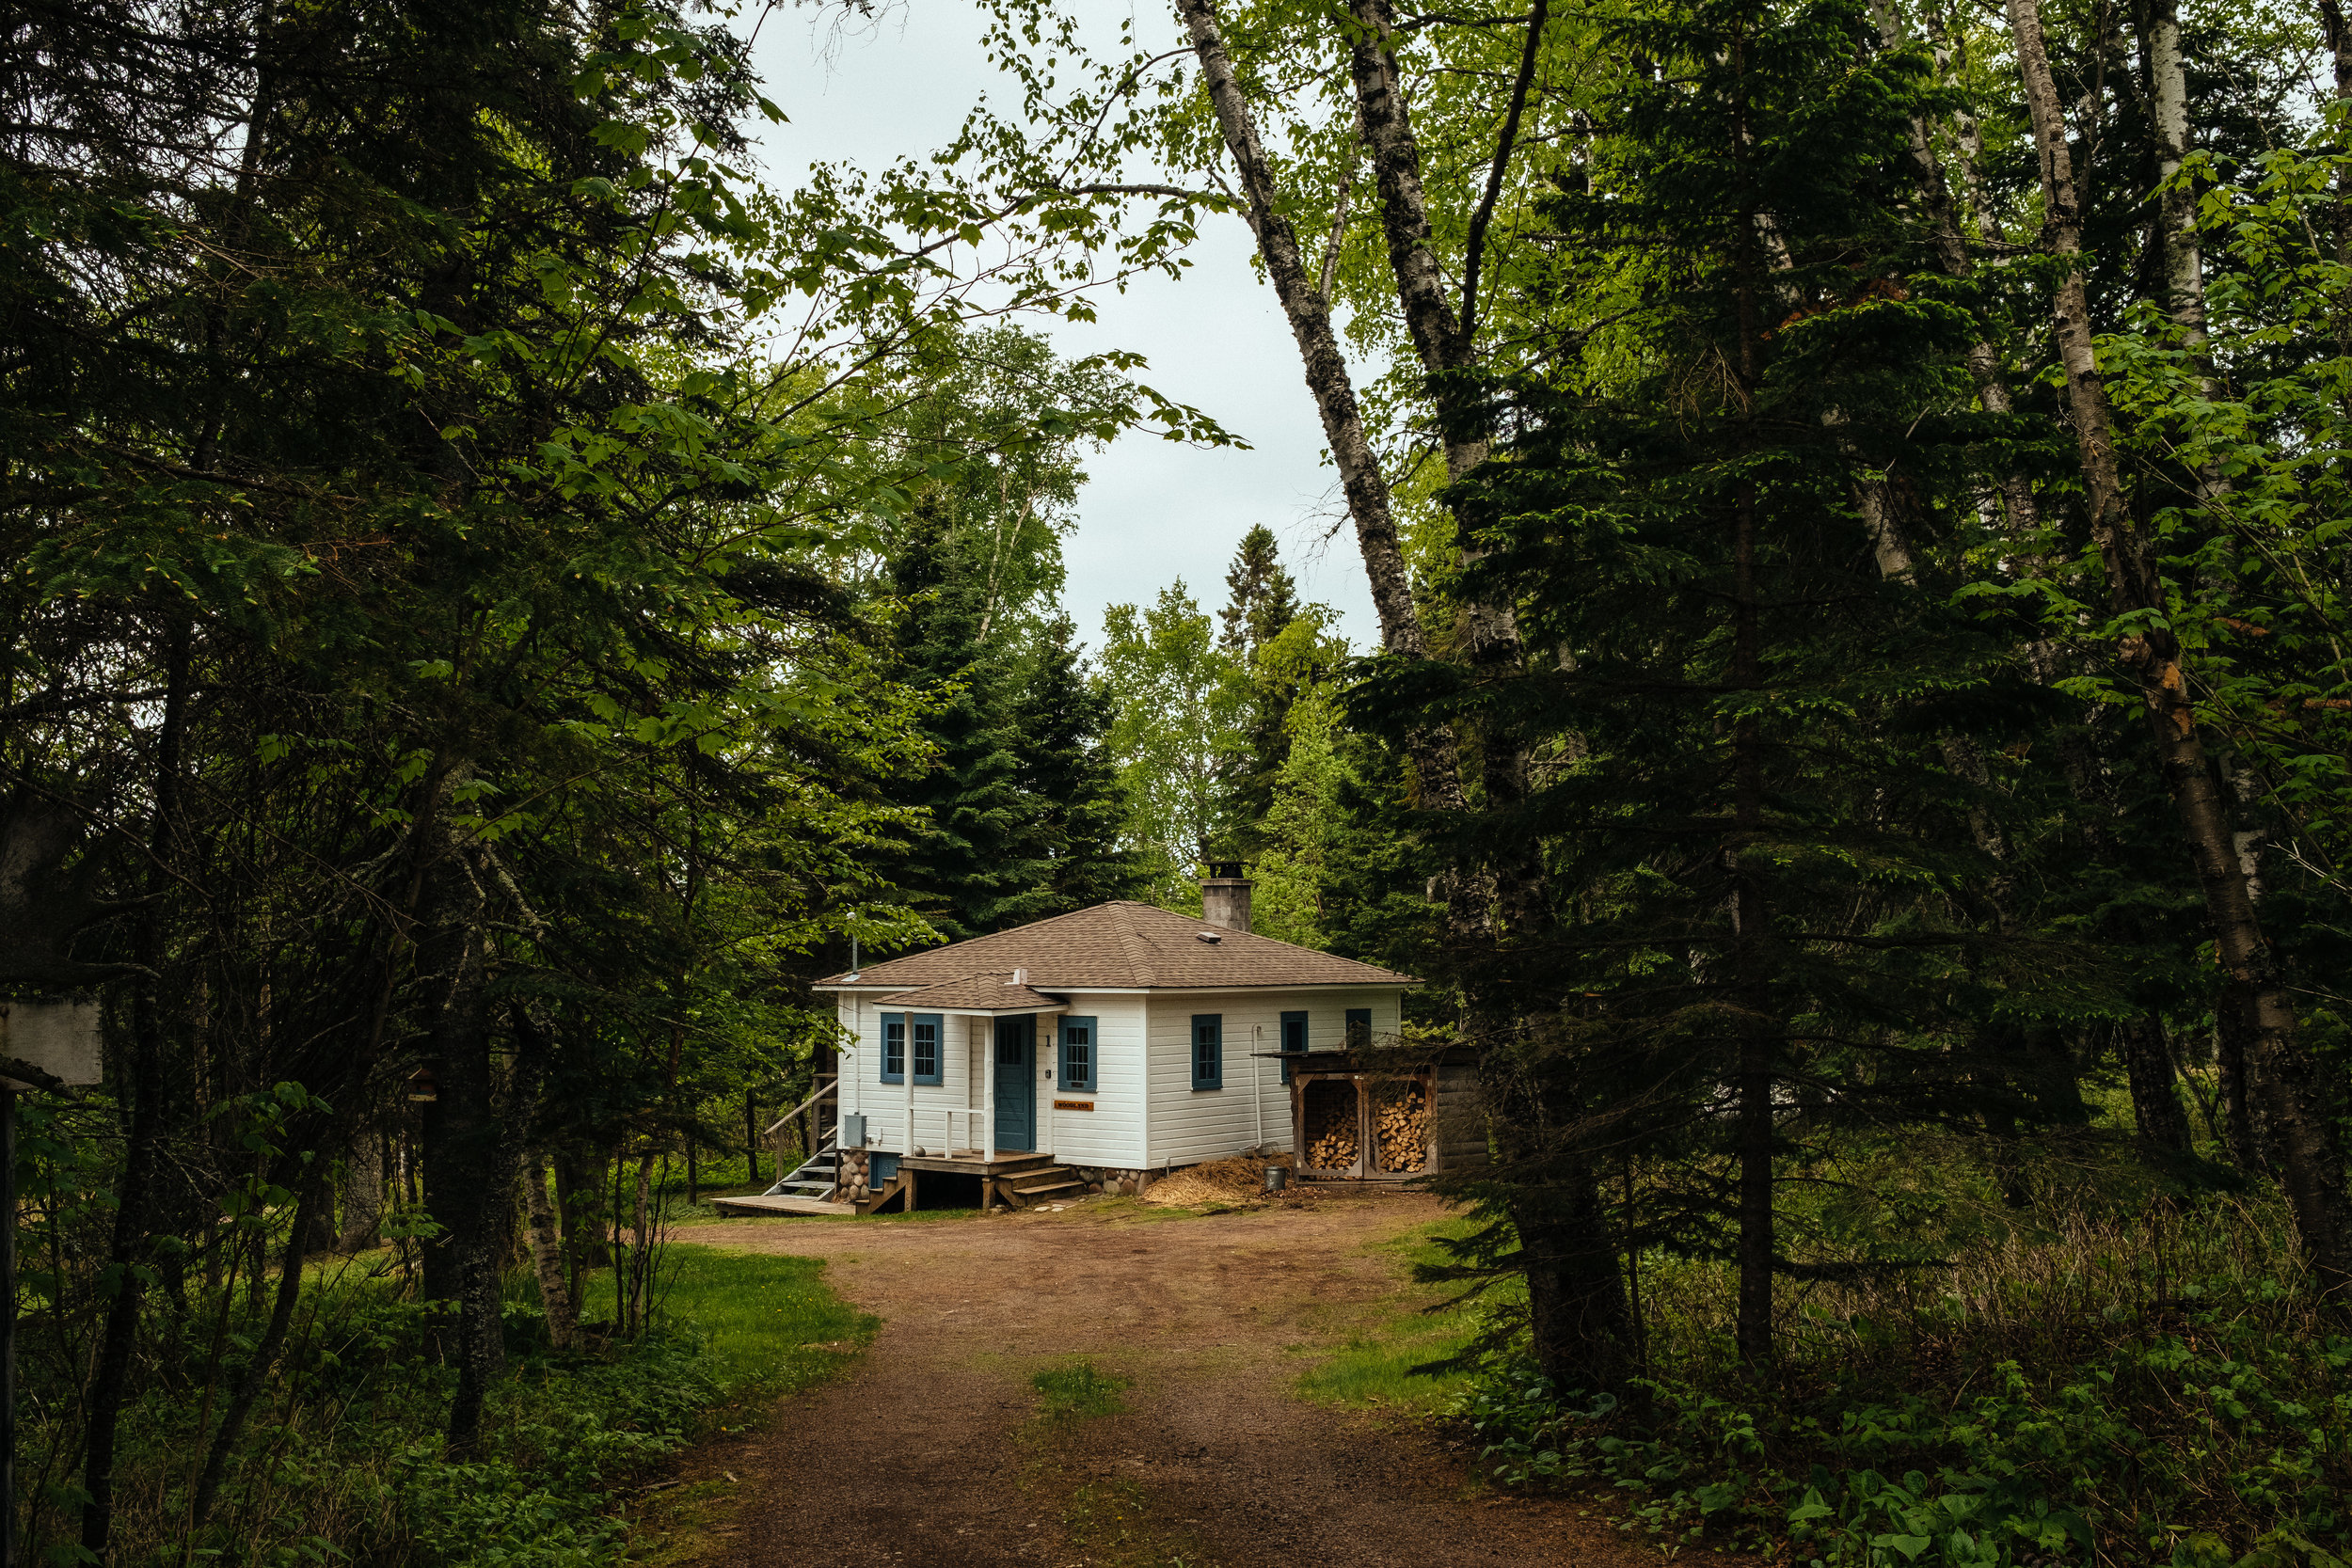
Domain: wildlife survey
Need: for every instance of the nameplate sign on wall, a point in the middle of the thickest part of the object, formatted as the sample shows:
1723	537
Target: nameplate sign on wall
1074	1104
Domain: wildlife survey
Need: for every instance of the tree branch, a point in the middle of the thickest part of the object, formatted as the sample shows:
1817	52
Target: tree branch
1476	251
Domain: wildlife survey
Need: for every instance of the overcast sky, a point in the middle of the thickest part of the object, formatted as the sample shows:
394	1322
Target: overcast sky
1153	511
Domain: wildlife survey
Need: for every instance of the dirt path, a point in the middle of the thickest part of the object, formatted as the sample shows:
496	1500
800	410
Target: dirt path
927	1454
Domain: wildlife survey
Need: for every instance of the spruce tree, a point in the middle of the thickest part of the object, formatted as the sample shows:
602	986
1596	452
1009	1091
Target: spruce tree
1261	599
973	865
1078	808
1770	919
1261	607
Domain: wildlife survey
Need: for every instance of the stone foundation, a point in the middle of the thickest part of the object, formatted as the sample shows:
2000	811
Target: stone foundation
853	1175
1113	1179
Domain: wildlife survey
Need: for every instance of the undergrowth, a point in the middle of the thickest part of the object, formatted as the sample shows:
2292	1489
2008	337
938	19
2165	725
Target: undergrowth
350	1466
2116	1389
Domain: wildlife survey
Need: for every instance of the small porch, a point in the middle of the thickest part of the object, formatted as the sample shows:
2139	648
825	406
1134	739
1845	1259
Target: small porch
1006	1179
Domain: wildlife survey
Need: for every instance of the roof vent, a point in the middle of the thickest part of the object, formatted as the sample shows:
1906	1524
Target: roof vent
1020	978
1210	937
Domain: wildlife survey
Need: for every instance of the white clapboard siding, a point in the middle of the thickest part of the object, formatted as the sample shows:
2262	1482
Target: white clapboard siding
1190	1125
1147	1114
885	1105
1111	1135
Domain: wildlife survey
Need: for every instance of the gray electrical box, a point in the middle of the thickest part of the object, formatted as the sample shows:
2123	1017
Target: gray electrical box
852	1131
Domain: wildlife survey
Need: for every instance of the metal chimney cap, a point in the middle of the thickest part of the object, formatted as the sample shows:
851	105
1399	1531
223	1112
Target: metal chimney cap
1225	871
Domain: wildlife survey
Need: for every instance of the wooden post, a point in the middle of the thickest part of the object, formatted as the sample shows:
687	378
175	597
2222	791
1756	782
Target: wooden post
988	1054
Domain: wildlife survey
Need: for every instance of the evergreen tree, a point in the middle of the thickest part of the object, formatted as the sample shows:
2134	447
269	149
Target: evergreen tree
1261	599
1767	902
1078	808
1278	649
975	863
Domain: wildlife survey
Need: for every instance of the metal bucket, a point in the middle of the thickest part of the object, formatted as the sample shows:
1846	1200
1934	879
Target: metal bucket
1277	1178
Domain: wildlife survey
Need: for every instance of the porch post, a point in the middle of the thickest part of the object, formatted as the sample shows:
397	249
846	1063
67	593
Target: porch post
988	1098
906	1144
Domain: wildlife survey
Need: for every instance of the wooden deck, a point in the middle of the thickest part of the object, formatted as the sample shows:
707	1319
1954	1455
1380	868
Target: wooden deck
971	1161
760	1205
1007	1177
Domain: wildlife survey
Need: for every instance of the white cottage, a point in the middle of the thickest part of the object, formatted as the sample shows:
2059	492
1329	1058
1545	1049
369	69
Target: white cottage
1096	1049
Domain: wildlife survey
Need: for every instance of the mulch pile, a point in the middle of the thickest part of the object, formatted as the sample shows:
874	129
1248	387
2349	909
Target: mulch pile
1235	1183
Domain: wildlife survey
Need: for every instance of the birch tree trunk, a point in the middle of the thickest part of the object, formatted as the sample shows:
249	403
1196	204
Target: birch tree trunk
1440	337
2283	1074
547	1254
1577	1298
1434	753
2184	249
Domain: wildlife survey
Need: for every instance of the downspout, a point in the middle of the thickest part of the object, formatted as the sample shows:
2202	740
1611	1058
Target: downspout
1257	1081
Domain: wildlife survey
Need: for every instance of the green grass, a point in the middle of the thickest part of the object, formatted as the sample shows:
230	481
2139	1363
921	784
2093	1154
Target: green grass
1373	1365
769	1325
1077	1390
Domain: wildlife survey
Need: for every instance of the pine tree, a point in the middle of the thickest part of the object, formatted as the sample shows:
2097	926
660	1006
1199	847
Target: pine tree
1078	809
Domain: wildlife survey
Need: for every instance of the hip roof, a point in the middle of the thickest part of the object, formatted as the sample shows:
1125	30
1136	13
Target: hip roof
1122	945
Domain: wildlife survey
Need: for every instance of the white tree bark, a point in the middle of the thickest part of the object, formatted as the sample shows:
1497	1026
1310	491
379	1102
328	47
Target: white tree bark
1433	751
2286	1076
547	1255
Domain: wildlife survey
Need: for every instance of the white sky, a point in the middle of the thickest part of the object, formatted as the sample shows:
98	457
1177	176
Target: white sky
1153	511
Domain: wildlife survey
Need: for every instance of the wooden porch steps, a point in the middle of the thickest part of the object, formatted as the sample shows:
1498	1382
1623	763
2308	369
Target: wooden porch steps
1017	1182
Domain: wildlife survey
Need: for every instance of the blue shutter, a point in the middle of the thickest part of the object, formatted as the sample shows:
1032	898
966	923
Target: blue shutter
894	1048
1079	1050
1294	1041
1359	1028
930	1045
1208	1051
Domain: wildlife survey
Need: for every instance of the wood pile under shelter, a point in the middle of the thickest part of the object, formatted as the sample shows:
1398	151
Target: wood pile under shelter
1364	1116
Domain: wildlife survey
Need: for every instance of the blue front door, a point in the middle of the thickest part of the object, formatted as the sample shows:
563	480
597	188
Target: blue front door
1016	1083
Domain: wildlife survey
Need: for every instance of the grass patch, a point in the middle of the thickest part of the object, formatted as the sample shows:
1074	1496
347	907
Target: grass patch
769	1325
765	1326
1373	1365
1077	1390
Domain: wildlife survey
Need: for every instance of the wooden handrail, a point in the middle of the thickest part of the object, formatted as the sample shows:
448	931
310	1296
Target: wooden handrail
832	1082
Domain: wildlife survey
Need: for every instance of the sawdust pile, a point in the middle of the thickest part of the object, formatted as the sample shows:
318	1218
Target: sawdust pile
1225	1183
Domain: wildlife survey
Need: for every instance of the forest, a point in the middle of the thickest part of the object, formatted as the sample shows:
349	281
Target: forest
501	593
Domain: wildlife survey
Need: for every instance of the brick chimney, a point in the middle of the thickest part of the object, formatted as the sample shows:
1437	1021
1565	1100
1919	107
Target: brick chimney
1225	896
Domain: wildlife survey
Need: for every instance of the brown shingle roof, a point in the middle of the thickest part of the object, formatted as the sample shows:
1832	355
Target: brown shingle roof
1124	945
990	994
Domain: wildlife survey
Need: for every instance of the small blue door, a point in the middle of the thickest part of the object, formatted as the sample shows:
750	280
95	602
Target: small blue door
1016	1083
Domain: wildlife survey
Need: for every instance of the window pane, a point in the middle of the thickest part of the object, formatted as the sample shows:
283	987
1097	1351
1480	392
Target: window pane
894	1049
1008	1052
926	1051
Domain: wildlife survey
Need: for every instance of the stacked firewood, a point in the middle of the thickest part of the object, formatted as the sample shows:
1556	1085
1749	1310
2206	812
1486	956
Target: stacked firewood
1331	1132
1401	1126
